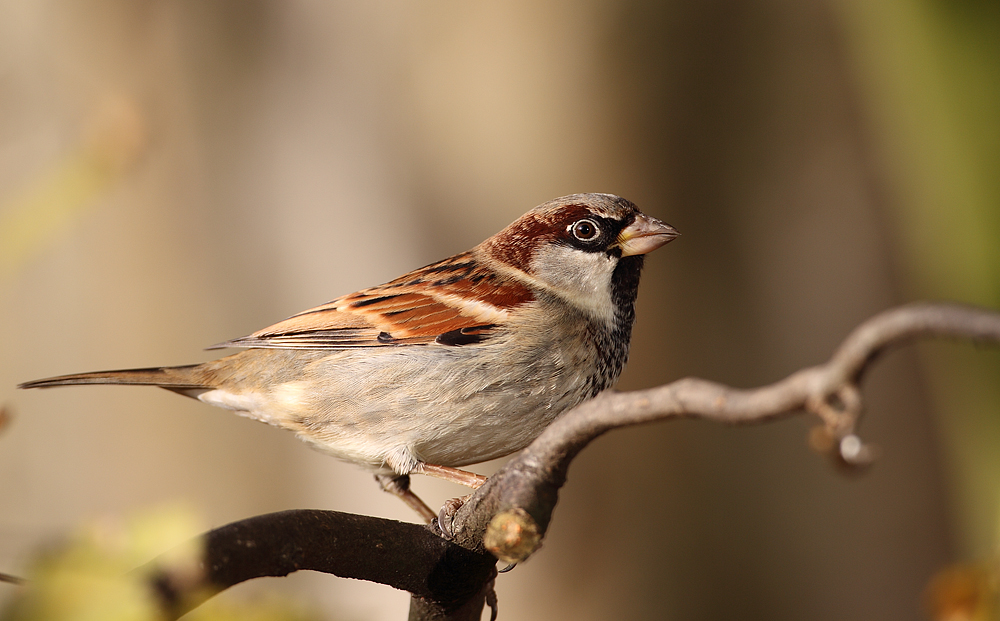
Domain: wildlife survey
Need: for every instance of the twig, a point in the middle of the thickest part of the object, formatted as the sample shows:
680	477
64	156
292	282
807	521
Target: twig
10	579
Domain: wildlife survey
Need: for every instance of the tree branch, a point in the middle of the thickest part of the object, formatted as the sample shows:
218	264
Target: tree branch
508	516
404	556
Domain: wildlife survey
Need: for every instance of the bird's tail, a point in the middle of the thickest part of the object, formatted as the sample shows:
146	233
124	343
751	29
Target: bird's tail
173	378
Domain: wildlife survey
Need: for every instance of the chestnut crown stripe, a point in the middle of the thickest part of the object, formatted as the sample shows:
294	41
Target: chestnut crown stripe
516	244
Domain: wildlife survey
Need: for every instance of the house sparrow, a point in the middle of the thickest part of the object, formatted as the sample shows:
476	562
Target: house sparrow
462	361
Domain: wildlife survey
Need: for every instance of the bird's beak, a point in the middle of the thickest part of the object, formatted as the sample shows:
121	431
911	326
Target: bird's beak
645	235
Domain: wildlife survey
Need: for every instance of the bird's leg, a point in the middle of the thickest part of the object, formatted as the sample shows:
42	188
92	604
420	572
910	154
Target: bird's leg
399	486
462	477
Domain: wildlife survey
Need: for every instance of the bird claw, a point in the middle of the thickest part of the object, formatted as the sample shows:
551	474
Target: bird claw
446	516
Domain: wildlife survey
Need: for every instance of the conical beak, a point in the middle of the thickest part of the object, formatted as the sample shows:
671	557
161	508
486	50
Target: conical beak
645	235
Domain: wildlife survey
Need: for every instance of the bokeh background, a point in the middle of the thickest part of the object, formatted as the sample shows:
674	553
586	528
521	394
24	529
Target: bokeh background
174	174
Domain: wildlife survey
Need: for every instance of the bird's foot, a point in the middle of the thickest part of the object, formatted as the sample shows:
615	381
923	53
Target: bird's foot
446	516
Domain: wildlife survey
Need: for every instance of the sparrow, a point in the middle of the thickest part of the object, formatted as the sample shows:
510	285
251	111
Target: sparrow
458	362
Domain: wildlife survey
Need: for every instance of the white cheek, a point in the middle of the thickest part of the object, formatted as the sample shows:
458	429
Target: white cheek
581	278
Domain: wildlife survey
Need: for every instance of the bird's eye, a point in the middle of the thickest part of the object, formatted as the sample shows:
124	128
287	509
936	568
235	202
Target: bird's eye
585	230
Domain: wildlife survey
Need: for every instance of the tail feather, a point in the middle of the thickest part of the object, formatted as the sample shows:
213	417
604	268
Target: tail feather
174	378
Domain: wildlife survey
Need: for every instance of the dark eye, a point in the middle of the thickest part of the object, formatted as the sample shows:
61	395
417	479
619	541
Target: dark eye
585	230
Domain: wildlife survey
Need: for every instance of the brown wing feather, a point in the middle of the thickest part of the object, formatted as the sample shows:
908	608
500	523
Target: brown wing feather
456	301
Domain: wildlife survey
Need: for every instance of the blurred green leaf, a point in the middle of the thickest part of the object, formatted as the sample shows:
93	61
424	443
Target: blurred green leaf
89	577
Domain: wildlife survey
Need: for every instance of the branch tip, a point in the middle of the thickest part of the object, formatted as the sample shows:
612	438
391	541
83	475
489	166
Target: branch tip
512	536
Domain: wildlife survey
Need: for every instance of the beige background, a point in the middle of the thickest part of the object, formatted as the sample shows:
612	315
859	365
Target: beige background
174	174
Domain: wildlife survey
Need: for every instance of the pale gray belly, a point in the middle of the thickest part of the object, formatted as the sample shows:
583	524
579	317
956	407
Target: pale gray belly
388	408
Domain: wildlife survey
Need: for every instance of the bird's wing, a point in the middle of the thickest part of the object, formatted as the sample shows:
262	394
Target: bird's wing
457	301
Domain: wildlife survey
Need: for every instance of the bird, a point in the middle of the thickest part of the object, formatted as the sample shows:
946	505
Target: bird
458	362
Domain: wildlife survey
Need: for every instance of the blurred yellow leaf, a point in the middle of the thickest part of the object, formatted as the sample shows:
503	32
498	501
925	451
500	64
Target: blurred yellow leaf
963	593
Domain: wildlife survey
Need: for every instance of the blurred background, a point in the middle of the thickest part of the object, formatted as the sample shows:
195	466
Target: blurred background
174	174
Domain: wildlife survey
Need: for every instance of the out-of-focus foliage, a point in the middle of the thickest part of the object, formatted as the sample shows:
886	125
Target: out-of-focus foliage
929	73
964	593
89	577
